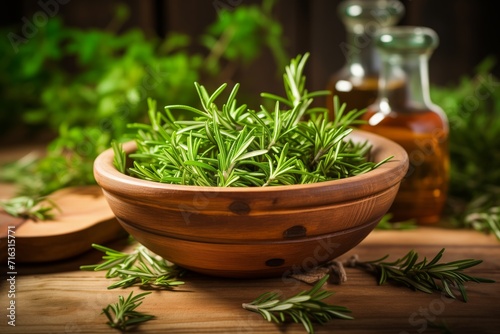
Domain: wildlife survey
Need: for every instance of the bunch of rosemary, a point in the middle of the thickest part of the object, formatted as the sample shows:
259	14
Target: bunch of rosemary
232	145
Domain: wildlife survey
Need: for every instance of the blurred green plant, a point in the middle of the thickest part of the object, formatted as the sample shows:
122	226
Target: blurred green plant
473	109
87	85
245	26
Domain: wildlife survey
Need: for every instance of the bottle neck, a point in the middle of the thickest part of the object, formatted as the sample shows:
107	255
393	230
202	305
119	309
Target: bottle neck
361	57
404	82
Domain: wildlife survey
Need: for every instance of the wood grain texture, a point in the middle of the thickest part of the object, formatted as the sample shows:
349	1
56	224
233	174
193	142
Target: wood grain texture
58	298
82	217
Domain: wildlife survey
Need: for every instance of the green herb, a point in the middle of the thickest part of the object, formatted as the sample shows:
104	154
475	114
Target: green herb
119	158
305	307
140	267
50	84
240	34
487	221
386	223
123	315
40	208
232	145
473	110
424	275
149	271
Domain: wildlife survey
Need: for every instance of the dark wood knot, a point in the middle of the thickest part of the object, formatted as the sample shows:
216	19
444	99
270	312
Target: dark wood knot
275	262
296	231
240	208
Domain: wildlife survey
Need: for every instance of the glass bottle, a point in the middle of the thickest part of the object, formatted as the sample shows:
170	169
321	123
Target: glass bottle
404	112
356	83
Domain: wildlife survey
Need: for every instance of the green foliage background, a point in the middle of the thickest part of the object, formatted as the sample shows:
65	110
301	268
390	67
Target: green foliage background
473	109
85	86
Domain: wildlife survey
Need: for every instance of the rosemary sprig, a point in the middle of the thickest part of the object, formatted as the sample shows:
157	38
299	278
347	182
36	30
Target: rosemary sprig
119	158
231	145
487	221
426	276
36	208
138	267
305	307
123	315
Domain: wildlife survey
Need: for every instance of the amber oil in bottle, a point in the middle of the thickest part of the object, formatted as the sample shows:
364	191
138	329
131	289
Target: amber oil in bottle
356	83
404	113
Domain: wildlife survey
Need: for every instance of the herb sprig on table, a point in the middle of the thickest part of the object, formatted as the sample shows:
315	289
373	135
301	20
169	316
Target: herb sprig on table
306	307
123	315
231	145
427	276
140	267
39	208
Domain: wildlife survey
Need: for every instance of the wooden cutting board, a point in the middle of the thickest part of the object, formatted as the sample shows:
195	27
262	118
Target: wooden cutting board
83	218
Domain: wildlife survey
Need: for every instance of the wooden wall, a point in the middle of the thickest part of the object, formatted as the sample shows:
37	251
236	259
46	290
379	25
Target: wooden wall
468	30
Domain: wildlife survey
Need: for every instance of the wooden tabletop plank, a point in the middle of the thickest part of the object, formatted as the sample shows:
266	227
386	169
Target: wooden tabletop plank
59	298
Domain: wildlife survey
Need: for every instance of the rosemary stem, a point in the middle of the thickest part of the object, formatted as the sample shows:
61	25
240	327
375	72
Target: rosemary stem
250	307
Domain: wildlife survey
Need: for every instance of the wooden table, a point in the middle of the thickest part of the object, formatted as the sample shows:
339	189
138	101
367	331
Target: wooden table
60	298
57	297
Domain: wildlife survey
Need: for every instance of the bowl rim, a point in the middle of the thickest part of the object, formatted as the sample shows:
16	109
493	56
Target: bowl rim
386	175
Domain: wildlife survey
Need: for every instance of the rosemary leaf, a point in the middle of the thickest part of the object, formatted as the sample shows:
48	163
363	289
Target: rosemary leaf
305	307
422	275
123	315
140	267
229	145
119	158
36	208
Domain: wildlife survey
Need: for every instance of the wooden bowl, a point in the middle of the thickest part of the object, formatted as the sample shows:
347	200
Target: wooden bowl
254	231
